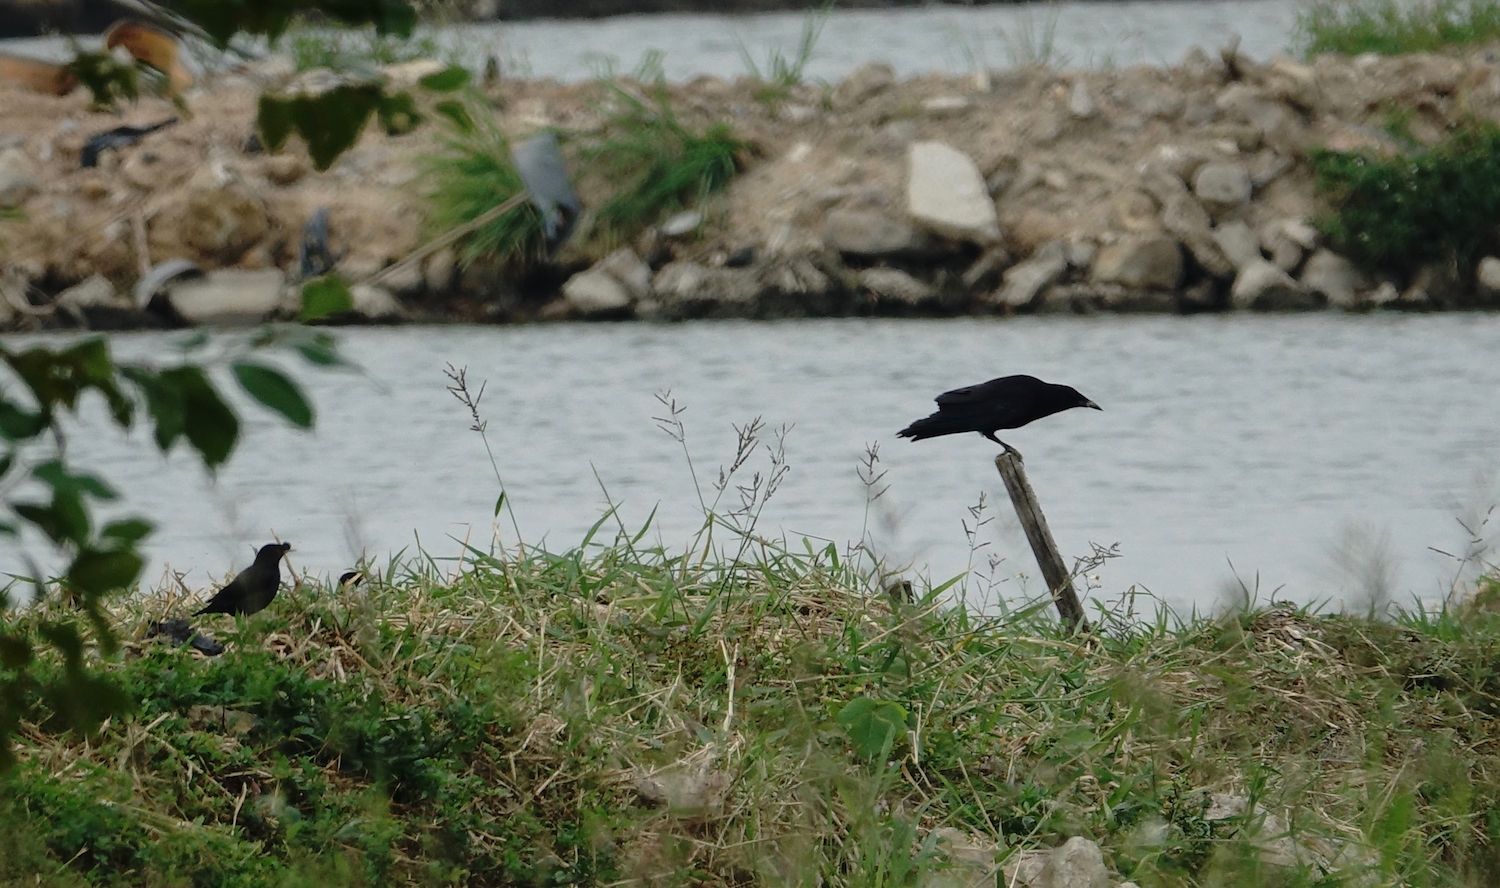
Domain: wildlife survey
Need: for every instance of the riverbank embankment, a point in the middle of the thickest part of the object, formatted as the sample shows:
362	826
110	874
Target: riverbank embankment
1175	189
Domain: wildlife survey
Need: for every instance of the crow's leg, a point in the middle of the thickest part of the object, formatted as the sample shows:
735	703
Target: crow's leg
1004	447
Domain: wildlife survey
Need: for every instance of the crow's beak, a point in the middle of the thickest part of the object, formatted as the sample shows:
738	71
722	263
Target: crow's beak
1088	403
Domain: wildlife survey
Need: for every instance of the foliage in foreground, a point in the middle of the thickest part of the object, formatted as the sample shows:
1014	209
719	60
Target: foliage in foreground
617	715
1396	213
1393	27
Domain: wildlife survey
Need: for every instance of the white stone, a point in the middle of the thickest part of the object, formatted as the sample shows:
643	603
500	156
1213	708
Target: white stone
227	297
862	83
1222	184
865	233
1262	284
1024	282
685	222
1238	242
896	285
946	194
1081	101
946	106
95	292
1489	279
375	302
17	184
595	292
440	269
626	267
1336	278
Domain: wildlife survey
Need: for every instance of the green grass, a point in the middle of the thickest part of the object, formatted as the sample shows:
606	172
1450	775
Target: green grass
471	174
655	164
501	722
783	73
1393	27
1396	213
329	46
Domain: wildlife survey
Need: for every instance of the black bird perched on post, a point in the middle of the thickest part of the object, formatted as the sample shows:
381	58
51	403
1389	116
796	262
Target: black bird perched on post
1005	403
252	588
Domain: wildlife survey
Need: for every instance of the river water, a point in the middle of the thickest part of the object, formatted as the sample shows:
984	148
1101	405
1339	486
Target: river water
1318	455
954	39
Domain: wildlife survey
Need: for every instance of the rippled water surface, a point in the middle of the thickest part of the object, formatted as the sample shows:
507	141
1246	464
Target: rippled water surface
1272	444
914	41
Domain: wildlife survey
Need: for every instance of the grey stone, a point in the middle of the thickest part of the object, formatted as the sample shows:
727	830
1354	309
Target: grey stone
594	293
228	297
1383	295
1239	244
897	286
1077	863
862	83
1185	217
1335	277
946	106
1263	285
1023	867
407	280
871	234
1081	101
1024	282
1222	185
95	292
985	272
17	184
1435	285
1149	262
689	290
946	194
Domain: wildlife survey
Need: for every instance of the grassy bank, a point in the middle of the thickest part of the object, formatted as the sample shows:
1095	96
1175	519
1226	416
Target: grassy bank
1393	27
617	715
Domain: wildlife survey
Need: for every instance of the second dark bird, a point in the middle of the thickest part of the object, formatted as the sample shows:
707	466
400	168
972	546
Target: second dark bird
252	588
1005	403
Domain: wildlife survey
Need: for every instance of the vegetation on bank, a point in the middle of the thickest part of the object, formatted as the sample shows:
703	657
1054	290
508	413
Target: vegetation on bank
1393	27
619	714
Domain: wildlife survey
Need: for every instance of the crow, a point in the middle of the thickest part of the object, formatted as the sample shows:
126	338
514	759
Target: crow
252	588
1005	403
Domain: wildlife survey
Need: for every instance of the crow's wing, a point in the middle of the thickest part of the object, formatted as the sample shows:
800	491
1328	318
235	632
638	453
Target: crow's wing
1004	388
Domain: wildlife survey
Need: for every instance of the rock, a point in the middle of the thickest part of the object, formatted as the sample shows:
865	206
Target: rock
1336	278
1023	867
1081	101
440	270
985	272
1239	244
1185	217
1488	275
872	235
894	285
1287	241
946	106
1383	295
406	280
1078	863
688	290
1294	83
682	224
228	297
95	304
1148	262
219	224
1270	118
692	791
970	861
1223	186
595	294
1262	285
1435	285
375	302
946	194
17	184
405	75
863	83
626	267
1024	282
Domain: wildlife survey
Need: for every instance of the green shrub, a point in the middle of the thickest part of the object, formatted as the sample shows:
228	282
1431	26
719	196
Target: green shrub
1399	212
472	175
1391	27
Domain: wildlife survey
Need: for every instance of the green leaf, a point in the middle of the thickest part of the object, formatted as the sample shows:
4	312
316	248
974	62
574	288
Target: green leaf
330	123
163	402
323	297
211	427
872	725
499	503
456	112
398	114
455	77
272	388
56	476
95	572
129	531
19	425
15	651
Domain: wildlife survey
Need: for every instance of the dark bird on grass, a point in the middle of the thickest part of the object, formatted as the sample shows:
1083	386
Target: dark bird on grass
252	588
351	579
1005	403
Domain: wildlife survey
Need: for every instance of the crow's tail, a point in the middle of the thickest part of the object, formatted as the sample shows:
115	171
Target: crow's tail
933	426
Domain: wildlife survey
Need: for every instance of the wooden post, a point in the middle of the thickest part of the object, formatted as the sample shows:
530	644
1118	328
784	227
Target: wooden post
1054	571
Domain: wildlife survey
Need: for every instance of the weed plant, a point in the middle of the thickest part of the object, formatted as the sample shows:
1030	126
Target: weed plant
745	712
1394	27
659	165
781	74
329	46
1396	213
472	174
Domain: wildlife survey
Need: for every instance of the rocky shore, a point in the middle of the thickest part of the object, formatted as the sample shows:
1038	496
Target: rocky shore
1174	189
